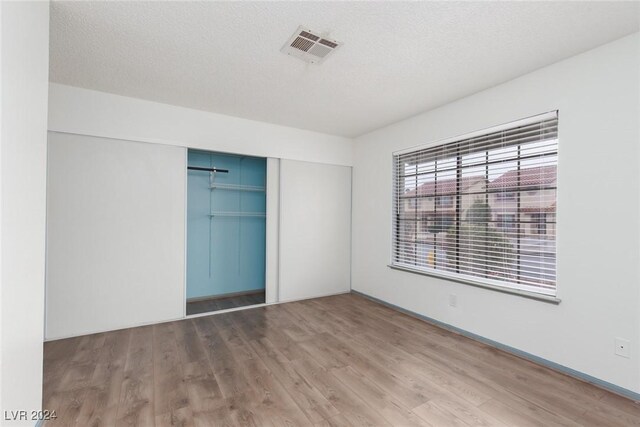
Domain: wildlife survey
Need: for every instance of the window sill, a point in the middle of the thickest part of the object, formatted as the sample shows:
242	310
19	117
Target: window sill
525	294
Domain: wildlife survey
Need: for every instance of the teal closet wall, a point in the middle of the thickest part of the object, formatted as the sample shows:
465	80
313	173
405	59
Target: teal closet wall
225	224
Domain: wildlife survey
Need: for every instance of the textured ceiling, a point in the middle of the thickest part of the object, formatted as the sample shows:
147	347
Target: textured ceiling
398	58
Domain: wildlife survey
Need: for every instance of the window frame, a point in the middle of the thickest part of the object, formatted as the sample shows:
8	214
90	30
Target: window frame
484	282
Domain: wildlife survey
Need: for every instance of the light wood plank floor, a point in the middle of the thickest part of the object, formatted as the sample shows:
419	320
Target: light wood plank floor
341	360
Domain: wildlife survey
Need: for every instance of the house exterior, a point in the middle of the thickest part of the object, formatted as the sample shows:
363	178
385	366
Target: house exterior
534	203
522	205
430	208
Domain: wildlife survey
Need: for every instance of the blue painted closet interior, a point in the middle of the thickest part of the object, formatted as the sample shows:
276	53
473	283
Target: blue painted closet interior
225	224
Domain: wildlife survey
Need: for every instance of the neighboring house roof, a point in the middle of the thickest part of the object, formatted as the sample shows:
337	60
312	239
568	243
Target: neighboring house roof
443	186
539	209
539	176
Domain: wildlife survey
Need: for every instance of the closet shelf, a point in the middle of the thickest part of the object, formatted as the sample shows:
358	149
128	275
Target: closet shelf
239	214
237	187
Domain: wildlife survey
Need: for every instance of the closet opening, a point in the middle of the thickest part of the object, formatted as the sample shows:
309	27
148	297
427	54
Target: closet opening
226	231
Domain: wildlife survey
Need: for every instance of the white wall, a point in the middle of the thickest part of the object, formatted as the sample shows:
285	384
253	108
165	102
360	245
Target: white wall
315	230
115	234
597	94
24	49
88	112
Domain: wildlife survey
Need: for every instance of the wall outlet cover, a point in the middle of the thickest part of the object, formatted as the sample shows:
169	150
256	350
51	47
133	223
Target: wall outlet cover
623	347
453	300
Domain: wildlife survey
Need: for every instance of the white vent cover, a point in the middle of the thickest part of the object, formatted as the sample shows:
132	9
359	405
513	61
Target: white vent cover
309	46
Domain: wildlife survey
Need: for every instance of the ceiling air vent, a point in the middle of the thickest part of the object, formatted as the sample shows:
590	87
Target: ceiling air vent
309	46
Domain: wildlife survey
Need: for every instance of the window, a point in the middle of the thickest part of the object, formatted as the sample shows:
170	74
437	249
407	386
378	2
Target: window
539	223
507	196
444	201
507	221
490	207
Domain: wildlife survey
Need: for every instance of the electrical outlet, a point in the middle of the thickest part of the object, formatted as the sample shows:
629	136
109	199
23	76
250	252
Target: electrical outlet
623	347
453	300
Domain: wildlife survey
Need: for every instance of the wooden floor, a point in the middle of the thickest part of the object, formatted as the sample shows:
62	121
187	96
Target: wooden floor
341	360
215	304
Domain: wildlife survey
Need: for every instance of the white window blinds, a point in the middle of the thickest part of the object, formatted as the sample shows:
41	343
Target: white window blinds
481	208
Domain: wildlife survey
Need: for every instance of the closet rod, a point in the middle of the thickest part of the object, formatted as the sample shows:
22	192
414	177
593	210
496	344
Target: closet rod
196	168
